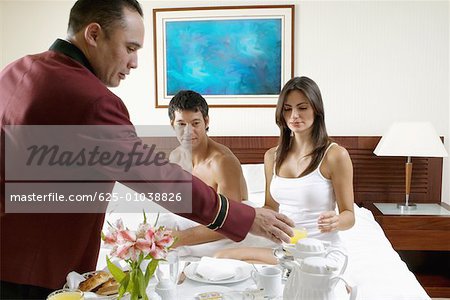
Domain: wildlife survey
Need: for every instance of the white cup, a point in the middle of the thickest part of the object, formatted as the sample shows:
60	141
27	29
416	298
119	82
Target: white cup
269	279
166	289
169	268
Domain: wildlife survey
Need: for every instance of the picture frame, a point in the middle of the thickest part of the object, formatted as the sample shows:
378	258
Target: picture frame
234	56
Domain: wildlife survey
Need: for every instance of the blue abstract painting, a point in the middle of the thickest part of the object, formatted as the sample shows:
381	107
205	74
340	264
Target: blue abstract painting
224	57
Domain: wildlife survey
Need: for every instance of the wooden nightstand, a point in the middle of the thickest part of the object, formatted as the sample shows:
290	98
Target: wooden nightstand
423	243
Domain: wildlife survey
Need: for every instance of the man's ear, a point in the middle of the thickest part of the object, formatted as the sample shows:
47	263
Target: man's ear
92	33
207	123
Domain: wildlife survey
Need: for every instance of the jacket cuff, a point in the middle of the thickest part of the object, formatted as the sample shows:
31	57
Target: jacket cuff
238	221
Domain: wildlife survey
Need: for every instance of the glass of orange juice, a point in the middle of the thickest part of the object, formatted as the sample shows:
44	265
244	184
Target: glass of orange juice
66	294
299	233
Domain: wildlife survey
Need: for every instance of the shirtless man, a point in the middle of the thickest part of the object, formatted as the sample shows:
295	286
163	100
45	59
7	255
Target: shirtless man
210	161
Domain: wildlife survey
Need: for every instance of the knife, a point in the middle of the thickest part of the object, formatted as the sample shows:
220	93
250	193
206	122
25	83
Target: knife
182	276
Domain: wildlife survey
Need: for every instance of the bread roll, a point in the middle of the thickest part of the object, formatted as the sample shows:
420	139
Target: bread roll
96	280
110	287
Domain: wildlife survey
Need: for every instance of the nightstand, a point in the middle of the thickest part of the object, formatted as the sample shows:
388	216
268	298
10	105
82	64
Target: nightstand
423	243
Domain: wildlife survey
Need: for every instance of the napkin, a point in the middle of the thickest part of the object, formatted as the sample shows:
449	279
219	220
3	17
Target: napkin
216	269
73	281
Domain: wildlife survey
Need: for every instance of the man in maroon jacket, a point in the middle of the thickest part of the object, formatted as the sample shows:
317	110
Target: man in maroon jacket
67	85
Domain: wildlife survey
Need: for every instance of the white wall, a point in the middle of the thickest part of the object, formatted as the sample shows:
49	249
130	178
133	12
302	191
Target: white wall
375	61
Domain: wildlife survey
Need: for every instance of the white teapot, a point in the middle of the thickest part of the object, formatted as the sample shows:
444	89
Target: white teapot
308	247
315	278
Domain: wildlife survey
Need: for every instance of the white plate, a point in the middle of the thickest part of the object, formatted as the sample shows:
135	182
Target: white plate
243	272
208	289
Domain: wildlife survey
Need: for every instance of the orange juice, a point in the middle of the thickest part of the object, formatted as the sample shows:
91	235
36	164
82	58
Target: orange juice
66	295
299	233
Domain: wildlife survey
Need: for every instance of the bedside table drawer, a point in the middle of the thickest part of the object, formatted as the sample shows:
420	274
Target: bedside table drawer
433	240
423	243
439	223
417	232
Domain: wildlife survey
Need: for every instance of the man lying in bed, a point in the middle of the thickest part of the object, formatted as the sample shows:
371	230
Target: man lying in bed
210	161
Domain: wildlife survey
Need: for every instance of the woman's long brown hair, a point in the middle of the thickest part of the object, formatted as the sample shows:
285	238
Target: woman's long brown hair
319	133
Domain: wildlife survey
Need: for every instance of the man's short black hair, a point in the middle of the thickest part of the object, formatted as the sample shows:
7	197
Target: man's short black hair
188	100
107	13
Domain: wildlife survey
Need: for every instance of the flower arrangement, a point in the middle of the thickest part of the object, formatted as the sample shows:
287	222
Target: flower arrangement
145	243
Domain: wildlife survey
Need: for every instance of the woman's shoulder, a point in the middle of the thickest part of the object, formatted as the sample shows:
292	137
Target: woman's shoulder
337	154
270	154
336	149
271	151
336	159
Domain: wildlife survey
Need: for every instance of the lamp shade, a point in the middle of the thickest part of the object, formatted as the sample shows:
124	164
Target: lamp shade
418	139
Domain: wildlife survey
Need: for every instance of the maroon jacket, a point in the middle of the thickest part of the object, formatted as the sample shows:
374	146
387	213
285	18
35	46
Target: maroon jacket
58	87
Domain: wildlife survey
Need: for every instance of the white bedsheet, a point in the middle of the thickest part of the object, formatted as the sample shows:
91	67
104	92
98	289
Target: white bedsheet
374	267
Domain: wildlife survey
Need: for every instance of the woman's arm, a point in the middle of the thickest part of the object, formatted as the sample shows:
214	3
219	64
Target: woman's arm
338	167
196	235
269	162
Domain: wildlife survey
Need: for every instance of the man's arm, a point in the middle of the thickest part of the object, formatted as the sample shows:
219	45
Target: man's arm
229	218
225	172
238	219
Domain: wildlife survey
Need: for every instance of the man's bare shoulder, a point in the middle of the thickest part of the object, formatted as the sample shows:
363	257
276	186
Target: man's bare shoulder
222	156
175	155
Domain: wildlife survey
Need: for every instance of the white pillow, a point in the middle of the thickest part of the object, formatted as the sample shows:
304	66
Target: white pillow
256	199
254	176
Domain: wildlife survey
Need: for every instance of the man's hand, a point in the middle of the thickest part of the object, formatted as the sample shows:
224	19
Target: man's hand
272	225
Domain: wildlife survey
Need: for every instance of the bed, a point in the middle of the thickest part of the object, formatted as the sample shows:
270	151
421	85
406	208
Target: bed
374	266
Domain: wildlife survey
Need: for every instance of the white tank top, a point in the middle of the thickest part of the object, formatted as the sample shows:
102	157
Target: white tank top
304	198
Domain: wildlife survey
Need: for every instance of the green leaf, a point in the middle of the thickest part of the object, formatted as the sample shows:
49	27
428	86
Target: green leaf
123	285
136	290
145	217
130	287
103	236
149	256
142	285
116	272
175	240
150	270
122	291
156	221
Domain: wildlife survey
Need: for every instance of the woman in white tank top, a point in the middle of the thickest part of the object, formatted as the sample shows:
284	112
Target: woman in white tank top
306	174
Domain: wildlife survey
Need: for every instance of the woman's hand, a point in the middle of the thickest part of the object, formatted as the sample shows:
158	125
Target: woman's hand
328	221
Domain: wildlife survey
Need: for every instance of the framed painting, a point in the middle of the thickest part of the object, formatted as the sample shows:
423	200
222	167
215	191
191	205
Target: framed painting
234	56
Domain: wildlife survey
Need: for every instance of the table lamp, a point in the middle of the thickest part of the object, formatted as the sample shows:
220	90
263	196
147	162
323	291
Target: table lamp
409	139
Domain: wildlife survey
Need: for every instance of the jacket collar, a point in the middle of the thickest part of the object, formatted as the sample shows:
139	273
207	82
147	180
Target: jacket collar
72	51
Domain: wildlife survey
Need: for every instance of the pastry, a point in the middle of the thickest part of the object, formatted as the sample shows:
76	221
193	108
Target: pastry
110	287
94	281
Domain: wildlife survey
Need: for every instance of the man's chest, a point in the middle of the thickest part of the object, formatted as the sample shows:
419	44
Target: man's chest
205	173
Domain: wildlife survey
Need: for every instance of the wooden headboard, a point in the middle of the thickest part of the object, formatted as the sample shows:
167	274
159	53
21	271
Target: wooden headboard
376	179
